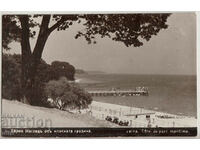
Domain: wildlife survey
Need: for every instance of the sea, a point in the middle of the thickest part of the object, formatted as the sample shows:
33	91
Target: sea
175	94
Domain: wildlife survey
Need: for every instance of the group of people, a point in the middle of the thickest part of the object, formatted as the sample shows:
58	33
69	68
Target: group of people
165	116
117	121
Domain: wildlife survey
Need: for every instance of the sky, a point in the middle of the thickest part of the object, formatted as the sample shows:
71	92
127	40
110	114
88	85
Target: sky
172	51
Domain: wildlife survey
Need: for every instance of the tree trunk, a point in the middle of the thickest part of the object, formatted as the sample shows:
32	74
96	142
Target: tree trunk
30	61
27	84
29	72
26	54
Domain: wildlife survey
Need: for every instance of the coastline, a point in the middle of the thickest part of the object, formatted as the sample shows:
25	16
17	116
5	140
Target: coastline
172	94
158	119
96	117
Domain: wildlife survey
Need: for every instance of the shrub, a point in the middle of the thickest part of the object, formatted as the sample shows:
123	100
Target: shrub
11	77
62	69
11	71
66	95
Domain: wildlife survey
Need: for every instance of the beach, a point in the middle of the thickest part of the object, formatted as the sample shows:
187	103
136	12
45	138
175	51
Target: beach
171	101
139	117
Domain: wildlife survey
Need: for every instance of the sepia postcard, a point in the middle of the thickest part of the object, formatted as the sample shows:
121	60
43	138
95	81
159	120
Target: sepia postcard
99	74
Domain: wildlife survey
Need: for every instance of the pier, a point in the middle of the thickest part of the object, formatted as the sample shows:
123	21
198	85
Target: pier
139	91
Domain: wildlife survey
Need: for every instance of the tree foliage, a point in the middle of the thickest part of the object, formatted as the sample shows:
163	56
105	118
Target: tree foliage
130	29
63	69
11	29
11	75
67	96
11	71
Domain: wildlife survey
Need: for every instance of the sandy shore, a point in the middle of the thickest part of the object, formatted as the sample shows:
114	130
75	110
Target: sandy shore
159	119
48	117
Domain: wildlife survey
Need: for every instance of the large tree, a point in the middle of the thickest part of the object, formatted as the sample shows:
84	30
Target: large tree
130	29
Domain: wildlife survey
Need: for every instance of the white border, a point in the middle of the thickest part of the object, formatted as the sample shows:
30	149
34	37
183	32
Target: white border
198	72
105	5
99	5
197	56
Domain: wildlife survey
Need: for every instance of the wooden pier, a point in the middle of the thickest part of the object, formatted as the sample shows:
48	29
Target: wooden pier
143	92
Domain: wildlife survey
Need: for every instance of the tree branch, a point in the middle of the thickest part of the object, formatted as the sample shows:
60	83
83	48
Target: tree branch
56	25
45	24
42	37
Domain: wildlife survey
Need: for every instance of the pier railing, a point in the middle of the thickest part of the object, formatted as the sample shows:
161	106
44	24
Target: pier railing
118	93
